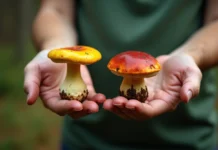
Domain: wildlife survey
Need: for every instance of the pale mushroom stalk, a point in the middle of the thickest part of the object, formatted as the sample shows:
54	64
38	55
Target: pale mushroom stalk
133	88
73	86
134	66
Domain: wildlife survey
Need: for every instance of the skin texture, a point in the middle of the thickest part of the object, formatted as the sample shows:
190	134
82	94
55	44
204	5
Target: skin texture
52	75
53	27
180	77
178	81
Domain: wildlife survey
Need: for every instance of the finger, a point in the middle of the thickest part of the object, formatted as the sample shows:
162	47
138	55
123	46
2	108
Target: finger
108	105
150	109
89	107
88	81
120	103
98	98
116	110
136	109
129	113
191	84
62	107
32	79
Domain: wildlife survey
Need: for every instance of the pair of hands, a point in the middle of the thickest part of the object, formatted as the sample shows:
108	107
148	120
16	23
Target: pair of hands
178	81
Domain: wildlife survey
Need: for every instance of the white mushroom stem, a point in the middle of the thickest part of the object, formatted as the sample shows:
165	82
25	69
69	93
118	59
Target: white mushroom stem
134	88
73	86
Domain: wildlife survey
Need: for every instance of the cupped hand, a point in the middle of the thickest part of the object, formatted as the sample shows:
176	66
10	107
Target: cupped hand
42	79
178	81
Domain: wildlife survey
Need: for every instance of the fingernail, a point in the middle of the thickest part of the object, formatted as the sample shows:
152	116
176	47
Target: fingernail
117	104
28	96
131	108
77	109
189	94
28	100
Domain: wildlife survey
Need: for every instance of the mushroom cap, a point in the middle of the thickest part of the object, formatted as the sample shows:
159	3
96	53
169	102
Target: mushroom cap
134	63
76	54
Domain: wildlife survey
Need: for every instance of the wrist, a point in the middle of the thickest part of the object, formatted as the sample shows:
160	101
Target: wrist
51	44
194	51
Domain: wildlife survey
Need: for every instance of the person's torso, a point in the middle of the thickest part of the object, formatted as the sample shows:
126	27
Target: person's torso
157	27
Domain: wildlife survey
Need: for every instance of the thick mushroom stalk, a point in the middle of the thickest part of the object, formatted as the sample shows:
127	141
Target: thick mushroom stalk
134	88
134	66
73	87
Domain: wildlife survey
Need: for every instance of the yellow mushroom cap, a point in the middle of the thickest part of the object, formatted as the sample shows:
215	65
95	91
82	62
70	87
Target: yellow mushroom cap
76	54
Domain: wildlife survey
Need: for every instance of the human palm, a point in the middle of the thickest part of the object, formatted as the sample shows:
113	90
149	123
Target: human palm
43	78
178	81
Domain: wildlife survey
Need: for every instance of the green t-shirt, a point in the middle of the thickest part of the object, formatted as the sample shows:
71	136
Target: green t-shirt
157	27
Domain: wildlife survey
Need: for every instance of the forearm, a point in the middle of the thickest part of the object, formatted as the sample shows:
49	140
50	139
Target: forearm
203	46
53	28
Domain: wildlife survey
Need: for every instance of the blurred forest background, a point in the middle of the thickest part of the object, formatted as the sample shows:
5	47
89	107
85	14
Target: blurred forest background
22	127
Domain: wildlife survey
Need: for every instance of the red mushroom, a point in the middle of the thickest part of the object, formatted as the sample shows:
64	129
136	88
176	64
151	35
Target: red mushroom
134	66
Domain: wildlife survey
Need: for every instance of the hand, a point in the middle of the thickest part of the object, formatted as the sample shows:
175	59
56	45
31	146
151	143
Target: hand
43	77
178	81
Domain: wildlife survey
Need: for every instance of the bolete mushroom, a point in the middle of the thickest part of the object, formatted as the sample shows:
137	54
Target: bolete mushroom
134	66
73	87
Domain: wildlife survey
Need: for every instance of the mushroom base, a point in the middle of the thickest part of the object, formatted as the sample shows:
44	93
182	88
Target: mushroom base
68	96
134	88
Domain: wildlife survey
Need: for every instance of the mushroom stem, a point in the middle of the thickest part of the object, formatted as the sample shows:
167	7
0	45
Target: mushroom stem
134	88
73	87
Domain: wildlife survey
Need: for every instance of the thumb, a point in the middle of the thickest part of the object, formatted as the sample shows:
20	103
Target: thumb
32	82
190	84
93	96
88	81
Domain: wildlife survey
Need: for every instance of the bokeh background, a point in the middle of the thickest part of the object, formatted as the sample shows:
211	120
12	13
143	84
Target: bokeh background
22	127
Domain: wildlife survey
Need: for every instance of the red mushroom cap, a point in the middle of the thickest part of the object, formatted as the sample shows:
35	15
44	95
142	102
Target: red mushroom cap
135	63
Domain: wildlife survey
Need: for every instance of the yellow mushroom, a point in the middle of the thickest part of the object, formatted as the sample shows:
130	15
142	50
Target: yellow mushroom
73	87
